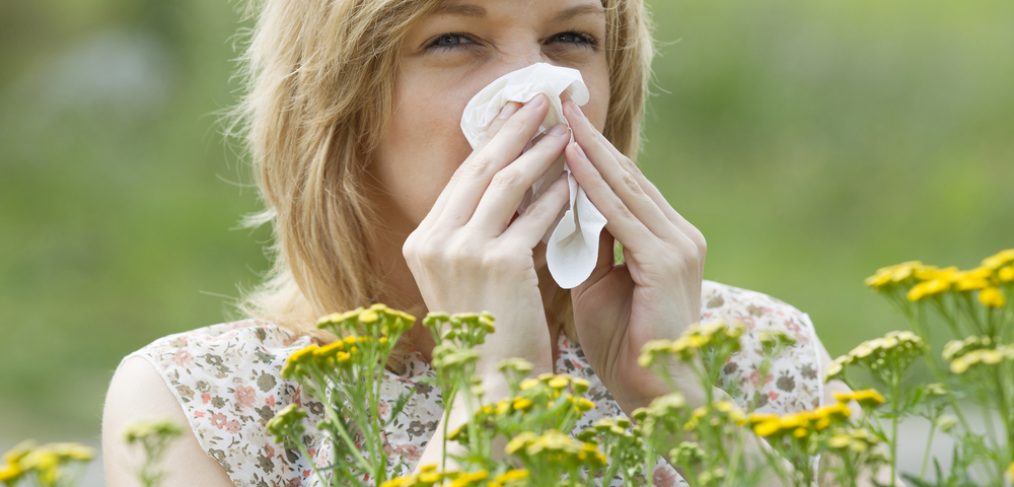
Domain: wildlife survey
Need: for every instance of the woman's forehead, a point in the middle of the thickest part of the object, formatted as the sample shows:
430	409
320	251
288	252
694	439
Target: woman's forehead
559	10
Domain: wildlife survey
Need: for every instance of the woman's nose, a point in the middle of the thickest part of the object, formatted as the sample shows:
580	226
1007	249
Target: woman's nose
516	63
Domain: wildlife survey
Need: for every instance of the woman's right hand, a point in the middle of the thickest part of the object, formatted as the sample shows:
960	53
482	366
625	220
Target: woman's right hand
468	256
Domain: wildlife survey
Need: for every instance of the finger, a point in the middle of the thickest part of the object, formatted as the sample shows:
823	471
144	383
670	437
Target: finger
623	183
529	228
620	222
497	123
649	188
506	112
509	186
469	181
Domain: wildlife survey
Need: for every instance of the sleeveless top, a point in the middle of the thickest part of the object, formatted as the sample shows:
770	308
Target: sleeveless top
226	379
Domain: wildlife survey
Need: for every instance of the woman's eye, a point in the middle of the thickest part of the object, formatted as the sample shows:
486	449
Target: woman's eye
455	40
447	41
573	37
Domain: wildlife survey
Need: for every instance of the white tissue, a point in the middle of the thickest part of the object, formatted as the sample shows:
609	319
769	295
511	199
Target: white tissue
573	243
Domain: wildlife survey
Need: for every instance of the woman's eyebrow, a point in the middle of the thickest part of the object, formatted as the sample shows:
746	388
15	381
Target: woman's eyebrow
586	9
463	9
470	10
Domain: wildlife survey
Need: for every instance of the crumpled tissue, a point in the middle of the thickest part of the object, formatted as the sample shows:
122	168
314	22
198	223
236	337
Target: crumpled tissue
573	243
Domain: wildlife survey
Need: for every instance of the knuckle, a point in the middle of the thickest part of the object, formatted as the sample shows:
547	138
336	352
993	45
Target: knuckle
630	183
702	242
475	165
507	179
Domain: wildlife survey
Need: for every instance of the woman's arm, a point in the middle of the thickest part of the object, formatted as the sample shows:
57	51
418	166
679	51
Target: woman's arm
137	392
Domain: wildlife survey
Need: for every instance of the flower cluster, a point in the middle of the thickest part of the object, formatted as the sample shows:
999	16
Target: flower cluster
983	357
345	376
287	425
376	321
892	353
45	464
555	448
697	338
975	305
429	476
153	437
801	425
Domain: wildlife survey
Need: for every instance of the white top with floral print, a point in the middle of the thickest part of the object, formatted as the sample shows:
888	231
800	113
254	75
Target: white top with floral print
226	379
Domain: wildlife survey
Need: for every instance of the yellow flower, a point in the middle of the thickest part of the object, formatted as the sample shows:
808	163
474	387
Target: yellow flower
991	297
985	356
469	478
1006	274
1010	471
973	280
897	348
999	259
840	440
559	382
516	365
695	338
956	348
767	428
583	404
521	403
10	472
510	476
886	276
294	365
931	287
866	397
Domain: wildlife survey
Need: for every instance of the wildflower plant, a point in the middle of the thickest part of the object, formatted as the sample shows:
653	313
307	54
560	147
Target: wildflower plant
975	366
345	376
153	437
52	464
854	438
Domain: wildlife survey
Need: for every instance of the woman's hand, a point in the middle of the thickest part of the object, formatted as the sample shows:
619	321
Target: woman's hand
656	293
468	255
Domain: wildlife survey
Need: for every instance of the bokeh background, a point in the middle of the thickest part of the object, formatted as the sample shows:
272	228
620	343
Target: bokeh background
811	142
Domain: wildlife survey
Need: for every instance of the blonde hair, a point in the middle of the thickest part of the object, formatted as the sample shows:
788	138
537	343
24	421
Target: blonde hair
319	80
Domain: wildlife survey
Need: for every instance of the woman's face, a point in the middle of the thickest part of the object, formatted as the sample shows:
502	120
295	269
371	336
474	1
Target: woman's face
452	54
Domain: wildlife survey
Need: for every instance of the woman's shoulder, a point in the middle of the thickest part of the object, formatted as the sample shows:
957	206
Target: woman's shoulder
226	379
755	310
790	380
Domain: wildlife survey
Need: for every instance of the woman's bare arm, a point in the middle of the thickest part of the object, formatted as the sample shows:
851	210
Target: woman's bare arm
135	393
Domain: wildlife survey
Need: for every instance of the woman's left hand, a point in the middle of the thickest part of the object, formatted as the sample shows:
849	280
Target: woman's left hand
656	292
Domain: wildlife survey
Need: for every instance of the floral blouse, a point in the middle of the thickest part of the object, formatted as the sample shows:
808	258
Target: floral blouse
226	379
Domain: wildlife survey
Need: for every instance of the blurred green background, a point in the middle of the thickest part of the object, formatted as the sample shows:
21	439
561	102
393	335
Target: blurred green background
811	142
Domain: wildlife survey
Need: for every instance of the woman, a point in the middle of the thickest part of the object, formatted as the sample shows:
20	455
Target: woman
352	119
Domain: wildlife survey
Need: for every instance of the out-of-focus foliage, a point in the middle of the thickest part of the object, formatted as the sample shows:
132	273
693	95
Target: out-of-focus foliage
809	141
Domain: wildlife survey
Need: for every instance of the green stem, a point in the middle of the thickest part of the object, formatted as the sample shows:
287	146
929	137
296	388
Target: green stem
895	412
926	451
339	427
313	465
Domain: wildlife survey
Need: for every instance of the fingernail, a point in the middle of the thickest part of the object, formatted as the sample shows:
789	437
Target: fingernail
508	109
537	101
580	151
559	129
